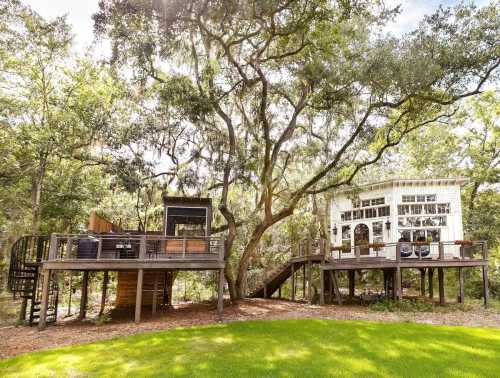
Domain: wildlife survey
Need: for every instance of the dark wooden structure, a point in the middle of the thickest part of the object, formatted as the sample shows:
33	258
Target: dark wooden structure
143	260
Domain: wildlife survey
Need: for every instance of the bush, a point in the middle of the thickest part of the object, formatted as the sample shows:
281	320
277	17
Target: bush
405	305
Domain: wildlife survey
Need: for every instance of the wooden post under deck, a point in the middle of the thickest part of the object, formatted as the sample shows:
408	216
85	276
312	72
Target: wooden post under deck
309	282
397	284
104	291
293	281
45	300
486	294
352	283
304	281
431	283
322	287
461	293
220	294
422	282
333	278
441	286
138	296
155	293
84	296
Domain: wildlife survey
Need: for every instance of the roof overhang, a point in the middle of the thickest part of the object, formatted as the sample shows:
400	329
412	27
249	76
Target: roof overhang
461	181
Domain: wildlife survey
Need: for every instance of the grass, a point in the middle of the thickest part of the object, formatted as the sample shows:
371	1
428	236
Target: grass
298	348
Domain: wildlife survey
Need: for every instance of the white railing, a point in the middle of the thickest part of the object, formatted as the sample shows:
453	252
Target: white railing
134	247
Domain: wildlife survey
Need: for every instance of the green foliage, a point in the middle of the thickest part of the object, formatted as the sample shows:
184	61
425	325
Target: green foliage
405	305
282	348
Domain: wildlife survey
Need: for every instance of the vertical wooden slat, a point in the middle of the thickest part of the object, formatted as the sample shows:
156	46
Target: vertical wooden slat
293	281
322	287
422	282
352	283
333	278
441	286
104	291
398	288
138	295
309	282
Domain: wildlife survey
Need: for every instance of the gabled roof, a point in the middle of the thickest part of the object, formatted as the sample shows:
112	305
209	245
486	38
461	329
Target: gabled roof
405	182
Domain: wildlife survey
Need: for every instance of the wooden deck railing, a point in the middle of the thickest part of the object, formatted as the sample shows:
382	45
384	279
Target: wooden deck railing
446	250
134	247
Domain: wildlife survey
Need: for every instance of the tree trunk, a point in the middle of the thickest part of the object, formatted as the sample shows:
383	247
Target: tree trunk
37	185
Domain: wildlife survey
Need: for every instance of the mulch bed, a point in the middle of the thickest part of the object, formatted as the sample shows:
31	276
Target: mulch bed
23	339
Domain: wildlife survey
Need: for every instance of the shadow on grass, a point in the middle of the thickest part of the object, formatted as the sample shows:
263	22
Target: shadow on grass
277	348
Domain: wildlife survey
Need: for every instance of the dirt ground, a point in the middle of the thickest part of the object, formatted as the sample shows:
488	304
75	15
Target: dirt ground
22	339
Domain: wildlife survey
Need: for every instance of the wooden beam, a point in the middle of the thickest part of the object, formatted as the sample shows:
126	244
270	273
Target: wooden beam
220	294
352	283
155	293
304	282
398	288
84	296
309	282
441	286
293	281
322	287
461	293
333	278
22	311
422	282
486	294
104	291
45	300
138	295
431	283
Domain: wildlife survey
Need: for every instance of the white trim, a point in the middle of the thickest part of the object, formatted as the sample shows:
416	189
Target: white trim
404	182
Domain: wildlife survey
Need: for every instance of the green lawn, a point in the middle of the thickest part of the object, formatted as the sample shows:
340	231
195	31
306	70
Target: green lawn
277	348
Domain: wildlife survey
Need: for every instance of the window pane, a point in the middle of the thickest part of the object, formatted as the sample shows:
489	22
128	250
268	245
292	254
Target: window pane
408	198
378	201
430	208
443	208
431	197
433	235
403	209
366	203
346	232
377	228
421	198
404	235
416	209
355	203
419	235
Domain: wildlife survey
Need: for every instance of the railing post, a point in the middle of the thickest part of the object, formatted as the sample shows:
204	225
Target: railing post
461	251
398	252
184	247
53	247
99	247
69	247
441	251
142	247
222	244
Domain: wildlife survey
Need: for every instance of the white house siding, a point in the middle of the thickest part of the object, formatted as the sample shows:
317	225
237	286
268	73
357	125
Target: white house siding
446	191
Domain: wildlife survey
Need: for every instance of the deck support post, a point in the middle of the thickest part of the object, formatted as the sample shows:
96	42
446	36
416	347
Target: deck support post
155	293
22	311
309	282
322	287
45	300
333	278
84	296
352	283
398	289
461	293
220	293
105	281
485	285
138	295
431	283
279	292
441	286
293	281
304	281
422	282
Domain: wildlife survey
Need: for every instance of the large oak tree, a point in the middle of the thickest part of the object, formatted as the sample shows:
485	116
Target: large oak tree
292	98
